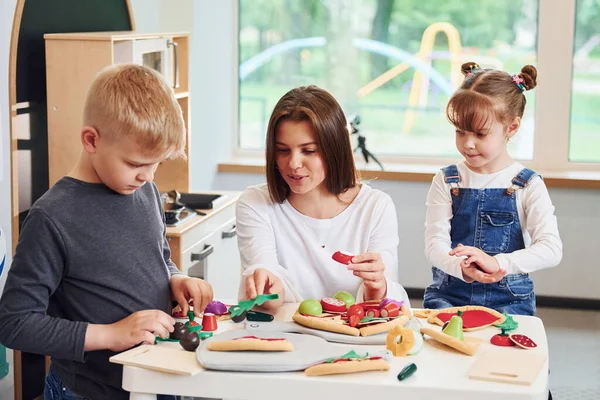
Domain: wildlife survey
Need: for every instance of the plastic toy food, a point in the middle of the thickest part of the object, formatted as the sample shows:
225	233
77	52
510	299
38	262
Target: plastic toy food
345	297
190	341
390	310
386	301
357	310
330	304
179	331
501	339
454	327
342	257
310	307
400	341
216	307
522	341
474	317
209	322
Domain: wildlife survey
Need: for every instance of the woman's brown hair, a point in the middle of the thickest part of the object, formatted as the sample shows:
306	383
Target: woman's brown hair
322	111
487	93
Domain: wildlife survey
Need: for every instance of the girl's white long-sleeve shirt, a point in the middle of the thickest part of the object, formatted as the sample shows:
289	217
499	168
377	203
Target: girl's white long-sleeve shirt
543	247
279	238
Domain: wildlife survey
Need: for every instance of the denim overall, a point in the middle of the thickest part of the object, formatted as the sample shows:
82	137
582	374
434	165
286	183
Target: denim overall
486	219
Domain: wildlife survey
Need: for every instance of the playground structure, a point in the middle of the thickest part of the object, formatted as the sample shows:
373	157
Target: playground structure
424	74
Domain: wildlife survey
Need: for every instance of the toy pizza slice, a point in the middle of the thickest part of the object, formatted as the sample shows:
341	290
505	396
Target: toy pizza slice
467	346
251	343
349	363
474	317
339	326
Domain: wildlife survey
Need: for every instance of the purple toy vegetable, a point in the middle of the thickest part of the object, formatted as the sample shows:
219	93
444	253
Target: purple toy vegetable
216	307
387	301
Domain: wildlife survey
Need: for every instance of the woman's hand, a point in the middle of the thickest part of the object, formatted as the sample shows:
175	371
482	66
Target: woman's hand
371	269
263	281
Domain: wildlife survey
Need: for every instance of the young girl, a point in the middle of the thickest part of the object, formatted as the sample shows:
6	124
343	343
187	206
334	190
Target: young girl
490	221
313	205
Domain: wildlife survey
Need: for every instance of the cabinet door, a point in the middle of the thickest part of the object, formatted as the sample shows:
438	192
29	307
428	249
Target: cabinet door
223	270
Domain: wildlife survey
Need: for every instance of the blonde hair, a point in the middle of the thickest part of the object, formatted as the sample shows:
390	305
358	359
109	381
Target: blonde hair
487	94
132	101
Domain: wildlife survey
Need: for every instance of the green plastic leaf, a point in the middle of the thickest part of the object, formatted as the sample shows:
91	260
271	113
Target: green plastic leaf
509	324
246	305
261	298
351	354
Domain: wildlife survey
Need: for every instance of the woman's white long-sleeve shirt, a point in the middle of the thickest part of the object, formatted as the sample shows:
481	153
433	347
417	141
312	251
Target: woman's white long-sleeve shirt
543	247
284	241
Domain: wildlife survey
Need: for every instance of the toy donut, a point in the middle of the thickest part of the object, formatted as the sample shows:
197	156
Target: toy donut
400	341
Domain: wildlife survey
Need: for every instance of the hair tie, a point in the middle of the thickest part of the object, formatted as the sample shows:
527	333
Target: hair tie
472	68
519	81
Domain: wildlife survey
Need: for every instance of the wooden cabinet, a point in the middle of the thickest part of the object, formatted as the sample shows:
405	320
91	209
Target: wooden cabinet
205	246
72	62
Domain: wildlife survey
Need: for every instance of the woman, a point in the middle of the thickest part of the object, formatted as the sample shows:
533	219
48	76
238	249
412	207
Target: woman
312	206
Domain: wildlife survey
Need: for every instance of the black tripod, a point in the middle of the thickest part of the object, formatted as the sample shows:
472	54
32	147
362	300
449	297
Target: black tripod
354	122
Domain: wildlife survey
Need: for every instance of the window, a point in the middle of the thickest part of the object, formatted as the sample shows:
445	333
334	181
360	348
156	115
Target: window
394	63
584	140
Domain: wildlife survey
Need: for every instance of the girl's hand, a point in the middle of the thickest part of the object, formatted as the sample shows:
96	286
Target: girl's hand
370	268
185	288
263	281
475	257
472	273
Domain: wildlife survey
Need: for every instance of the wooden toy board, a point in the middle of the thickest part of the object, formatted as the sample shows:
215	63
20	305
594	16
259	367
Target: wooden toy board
308	350
509	365
165	358
290	326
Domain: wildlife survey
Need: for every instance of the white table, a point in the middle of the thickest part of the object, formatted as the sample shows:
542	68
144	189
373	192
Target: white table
442	374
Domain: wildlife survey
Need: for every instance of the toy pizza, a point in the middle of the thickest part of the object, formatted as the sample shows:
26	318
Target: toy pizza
251	343
452	335
474	317
349	363
364	319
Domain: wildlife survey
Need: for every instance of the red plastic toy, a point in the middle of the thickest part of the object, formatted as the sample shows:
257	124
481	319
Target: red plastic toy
522	341
330	304
342	257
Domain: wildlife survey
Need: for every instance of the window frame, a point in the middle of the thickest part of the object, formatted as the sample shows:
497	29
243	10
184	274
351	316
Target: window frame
552	117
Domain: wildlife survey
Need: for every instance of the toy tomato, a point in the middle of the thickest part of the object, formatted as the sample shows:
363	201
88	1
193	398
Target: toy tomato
357	310
330	304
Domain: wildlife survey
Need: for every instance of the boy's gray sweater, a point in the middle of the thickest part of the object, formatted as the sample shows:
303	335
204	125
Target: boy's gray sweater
86	254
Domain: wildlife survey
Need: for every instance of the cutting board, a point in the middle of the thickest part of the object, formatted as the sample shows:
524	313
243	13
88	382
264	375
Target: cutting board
516	366
164	358
290	326
308	350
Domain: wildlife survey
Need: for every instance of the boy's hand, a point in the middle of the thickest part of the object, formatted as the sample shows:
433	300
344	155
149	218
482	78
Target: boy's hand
370	268
141	326
475	257
263	281
472	273
185	288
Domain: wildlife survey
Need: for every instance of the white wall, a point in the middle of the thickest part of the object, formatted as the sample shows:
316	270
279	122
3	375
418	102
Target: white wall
7	10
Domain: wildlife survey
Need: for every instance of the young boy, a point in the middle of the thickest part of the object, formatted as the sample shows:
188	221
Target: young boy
92	273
